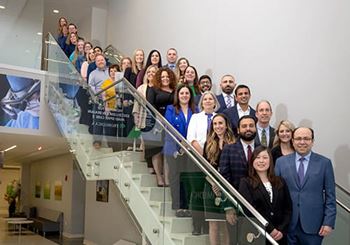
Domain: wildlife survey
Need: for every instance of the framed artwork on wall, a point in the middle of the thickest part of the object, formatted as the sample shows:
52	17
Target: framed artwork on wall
37	190
47	191
102	190
58	190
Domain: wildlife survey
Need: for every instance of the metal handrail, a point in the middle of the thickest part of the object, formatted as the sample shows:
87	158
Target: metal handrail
200	161
346	208
343	189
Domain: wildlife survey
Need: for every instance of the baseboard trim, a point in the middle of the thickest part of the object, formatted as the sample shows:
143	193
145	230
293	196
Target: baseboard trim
69	235
87	242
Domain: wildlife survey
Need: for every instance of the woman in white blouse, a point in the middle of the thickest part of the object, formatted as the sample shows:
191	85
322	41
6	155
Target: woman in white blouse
197	131
199	124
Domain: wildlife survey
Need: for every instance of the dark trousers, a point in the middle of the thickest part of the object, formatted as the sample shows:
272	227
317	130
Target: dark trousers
177	188
299	237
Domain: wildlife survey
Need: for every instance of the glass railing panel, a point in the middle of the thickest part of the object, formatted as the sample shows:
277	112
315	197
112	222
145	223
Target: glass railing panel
182	178
113	55
341	234
21	33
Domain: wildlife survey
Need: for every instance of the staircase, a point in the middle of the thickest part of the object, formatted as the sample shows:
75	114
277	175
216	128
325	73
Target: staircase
151	205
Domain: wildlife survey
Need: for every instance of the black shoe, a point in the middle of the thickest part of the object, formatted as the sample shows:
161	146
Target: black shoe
180	213
197	231
187	213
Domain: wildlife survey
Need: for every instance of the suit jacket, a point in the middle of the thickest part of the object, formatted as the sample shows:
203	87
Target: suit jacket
278	213
314	201
222	103
271	136
178	121
232	115
233	163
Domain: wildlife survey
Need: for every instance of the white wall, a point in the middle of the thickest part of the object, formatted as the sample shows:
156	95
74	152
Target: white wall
7	176
107	223
293	53
60	169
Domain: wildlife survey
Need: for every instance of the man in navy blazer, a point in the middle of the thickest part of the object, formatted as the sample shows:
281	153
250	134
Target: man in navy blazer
311	184
265	133
241	108
234	165
226	98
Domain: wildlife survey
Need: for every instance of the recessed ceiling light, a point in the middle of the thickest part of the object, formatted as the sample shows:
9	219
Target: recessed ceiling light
10	148
2	7
56	11
40	148
40	33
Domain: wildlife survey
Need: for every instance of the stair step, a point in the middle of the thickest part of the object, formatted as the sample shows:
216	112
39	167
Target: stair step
162	208
136	168
130	156
145	180
160	194
177	224
189	239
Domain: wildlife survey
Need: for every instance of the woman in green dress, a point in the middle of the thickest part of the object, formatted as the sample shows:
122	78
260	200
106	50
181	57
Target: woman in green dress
220	134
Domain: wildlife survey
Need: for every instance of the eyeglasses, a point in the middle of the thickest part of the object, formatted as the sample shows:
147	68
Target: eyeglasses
305	139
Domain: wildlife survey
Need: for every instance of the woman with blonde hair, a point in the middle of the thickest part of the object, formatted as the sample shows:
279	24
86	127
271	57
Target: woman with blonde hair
282	144
181	66
137	65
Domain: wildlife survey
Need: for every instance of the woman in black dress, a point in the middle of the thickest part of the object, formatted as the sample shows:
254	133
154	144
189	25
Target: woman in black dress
160	96
268	194
219	135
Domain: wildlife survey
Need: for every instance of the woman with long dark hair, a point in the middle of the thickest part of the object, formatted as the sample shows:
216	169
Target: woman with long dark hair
154	58
268	194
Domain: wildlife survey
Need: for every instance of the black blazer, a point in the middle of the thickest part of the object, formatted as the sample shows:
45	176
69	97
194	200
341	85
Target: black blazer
130	76
272	137
278	213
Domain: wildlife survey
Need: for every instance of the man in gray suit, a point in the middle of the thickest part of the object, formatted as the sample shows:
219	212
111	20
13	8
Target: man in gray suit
311	184
265	133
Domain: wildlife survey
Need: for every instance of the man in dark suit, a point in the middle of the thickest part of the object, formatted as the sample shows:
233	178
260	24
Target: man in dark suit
226	98
171	57
265	133
311	184
205	84
234	165
241	108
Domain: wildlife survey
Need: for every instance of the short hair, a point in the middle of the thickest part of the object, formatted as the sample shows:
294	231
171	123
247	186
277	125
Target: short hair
311	130
113	66
240	87
227	75
261	101
204	77
245	117
98	47
97	55
172	49
217	104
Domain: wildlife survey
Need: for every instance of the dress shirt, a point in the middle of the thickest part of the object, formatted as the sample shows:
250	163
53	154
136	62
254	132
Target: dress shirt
96	79
245	148
306	161
232	97
242	113
267	131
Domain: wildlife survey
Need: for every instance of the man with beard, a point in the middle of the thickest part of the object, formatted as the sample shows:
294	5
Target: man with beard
242	108
265	133
226	98
205	84
234	165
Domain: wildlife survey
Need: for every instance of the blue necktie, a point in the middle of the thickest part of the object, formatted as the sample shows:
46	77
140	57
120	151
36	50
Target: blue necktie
228	101
209	116
301	171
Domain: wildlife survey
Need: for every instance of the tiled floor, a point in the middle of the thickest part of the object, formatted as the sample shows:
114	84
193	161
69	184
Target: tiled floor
29	238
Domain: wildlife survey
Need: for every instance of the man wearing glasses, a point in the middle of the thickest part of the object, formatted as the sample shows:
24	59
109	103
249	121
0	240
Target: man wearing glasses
310	180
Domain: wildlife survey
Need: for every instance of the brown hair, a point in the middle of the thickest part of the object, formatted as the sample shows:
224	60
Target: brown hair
212	148
253	175
157	80
191	104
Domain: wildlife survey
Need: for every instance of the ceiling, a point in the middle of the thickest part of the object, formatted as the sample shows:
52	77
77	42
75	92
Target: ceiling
27	147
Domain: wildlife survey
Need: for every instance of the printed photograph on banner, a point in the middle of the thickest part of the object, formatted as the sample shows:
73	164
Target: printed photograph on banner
102	189
19	102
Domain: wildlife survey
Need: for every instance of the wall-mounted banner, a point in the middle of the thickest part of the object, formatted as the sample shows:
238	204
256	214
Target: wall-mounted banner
19	102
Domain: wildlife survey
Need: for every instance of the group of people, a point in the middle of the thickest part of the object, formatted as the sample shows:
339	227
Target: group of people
273	169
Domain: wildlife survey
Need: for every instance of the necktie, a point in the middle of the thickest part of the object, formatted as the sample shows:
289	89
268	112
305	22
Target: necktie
301	171
263	138
249	153
228	101
209	116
